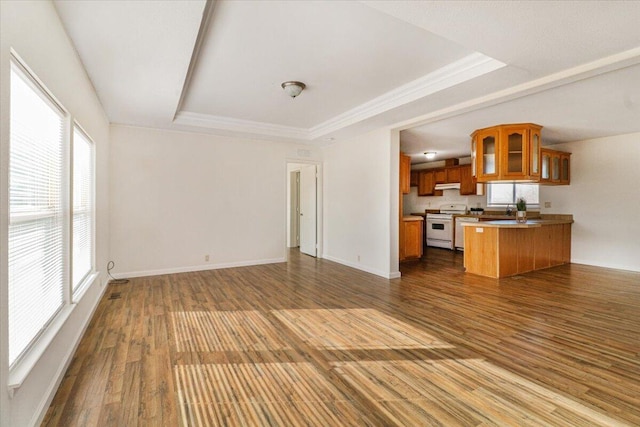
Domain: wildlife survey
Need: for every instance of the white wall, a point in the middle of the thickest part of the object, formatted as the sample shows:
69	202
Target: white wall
417	204
176	197
34	31
604	198
361	181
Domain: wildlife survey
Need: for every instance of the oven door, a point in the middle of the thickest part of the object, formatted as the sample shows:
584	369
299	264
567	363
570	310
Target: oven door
440	232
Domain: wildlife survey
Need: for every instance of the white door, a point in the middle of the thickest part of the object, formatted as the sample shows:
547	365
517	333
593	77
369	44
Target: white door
308	210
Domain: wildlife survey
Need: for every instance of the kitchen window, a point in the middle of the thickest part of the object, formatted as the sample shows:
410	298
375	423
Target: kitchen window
51	218
507	193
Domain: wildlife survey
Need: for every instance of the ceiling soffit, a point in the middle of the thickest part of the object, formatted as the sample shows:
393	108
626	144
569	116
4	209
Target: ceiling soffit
460	71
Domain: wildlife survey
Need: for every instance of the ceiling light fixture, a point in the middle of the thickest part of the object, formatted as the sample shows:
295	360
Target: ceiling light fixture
293	88
430	155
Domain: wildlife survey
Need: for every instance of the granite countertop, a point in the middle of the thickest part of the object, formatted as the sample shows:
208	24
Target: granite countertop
412	217
512	223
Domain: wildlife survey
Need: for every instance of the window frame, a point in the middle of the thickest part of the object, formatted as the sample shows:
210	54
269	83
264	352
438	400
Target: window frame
29	78
26	360
78	291
490	204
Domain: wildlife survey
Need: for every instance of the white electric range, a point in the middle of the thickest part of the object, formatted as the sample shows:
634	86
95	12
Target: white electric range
440	225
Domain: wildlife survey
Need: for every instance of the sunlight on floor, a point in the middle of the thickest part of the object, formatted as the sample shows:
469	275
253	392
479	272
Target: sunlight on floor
376	355
355	329
207	331
285	394
463	392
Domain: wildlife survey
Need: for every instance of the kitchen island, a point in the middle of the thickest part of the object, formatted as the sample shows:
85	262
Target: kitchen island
506	248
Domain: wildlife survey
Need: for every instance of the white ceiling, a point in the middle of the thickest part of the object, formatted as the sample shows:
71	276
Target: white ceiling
437	69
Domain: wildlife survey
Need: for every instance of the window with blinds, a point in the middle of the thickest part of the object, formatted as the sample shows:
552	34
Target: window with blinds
36	213
82	248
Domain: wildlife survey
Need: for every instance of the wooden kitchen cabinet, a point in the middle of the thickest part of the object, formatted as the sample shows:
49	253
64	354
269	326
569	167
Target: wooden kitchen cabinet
440	176
553	245
468	185
405	173
565	168
502	250
412	239
555	167
507	153
484	153
427	183
453	174
414	178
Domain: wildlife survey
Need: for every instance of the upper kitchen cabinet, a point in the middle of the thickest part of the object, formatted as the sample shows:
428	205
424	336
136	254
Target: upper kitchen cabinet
414	178
506	153
427	183
405	173
468	185
453	174
555	167
484	150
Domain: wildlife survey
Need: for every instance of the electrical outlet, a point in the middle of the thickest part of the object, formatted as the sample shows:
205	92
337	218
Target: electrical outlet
206	258
547	204
358	258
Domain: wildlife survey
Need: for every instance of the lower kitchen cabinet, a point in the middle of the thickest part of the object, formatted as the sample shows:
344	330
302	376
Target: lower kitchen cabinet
506	248
411	244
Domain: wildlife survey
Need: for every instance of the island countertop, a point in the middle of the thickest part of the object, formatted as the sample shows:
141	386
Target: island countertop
510	223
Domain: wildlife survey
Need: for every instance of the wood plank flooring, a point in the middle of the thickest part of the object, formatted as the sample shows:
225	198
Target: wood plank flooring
314	343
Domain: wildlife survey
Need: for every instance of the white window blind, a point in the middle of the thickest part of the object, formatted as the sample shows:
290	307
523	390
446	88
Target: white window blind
82	208
36	248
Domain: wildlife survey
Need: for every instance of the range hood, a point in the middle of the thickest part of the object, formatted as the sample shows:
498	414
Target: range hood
452	186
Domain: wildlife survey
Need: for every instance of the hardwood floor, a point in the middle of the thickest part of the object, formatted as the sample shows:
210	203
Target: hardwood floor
312	342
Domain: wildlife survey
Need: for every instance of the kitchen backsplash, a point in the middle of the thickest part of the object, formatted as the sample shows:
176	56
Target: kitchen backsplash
413	203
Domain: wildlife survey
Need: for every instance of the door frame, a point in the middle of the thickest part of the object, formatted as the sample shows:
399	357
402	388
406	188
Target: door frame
293	206
291	163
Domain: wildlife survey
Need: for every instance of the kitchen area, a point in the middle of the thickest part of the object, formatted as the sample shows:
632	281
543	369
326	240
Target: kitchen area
444	204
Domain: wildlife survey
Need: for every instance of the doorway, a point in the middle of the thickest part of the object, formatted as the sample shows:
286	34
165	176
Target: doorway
303	208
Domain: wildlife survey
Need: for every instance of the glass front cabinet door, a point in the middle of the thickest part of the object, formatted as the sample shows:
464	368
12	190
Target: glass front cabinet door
486	149
545	166
535	142
565	167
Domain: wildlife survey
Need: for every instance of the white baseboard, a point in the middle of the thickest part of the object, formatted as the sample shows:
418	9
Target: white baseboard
361	267
592	263
193	268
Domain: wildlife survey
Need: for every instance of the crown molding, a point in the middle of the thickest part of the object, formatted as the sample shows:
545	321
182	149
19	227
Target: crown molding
465	69
457	72
571	75
187	118
460	71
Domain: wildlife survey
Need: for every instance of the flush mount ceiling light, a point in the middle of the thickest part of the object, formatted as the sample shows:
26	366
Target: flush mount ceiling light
430	155
292	88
